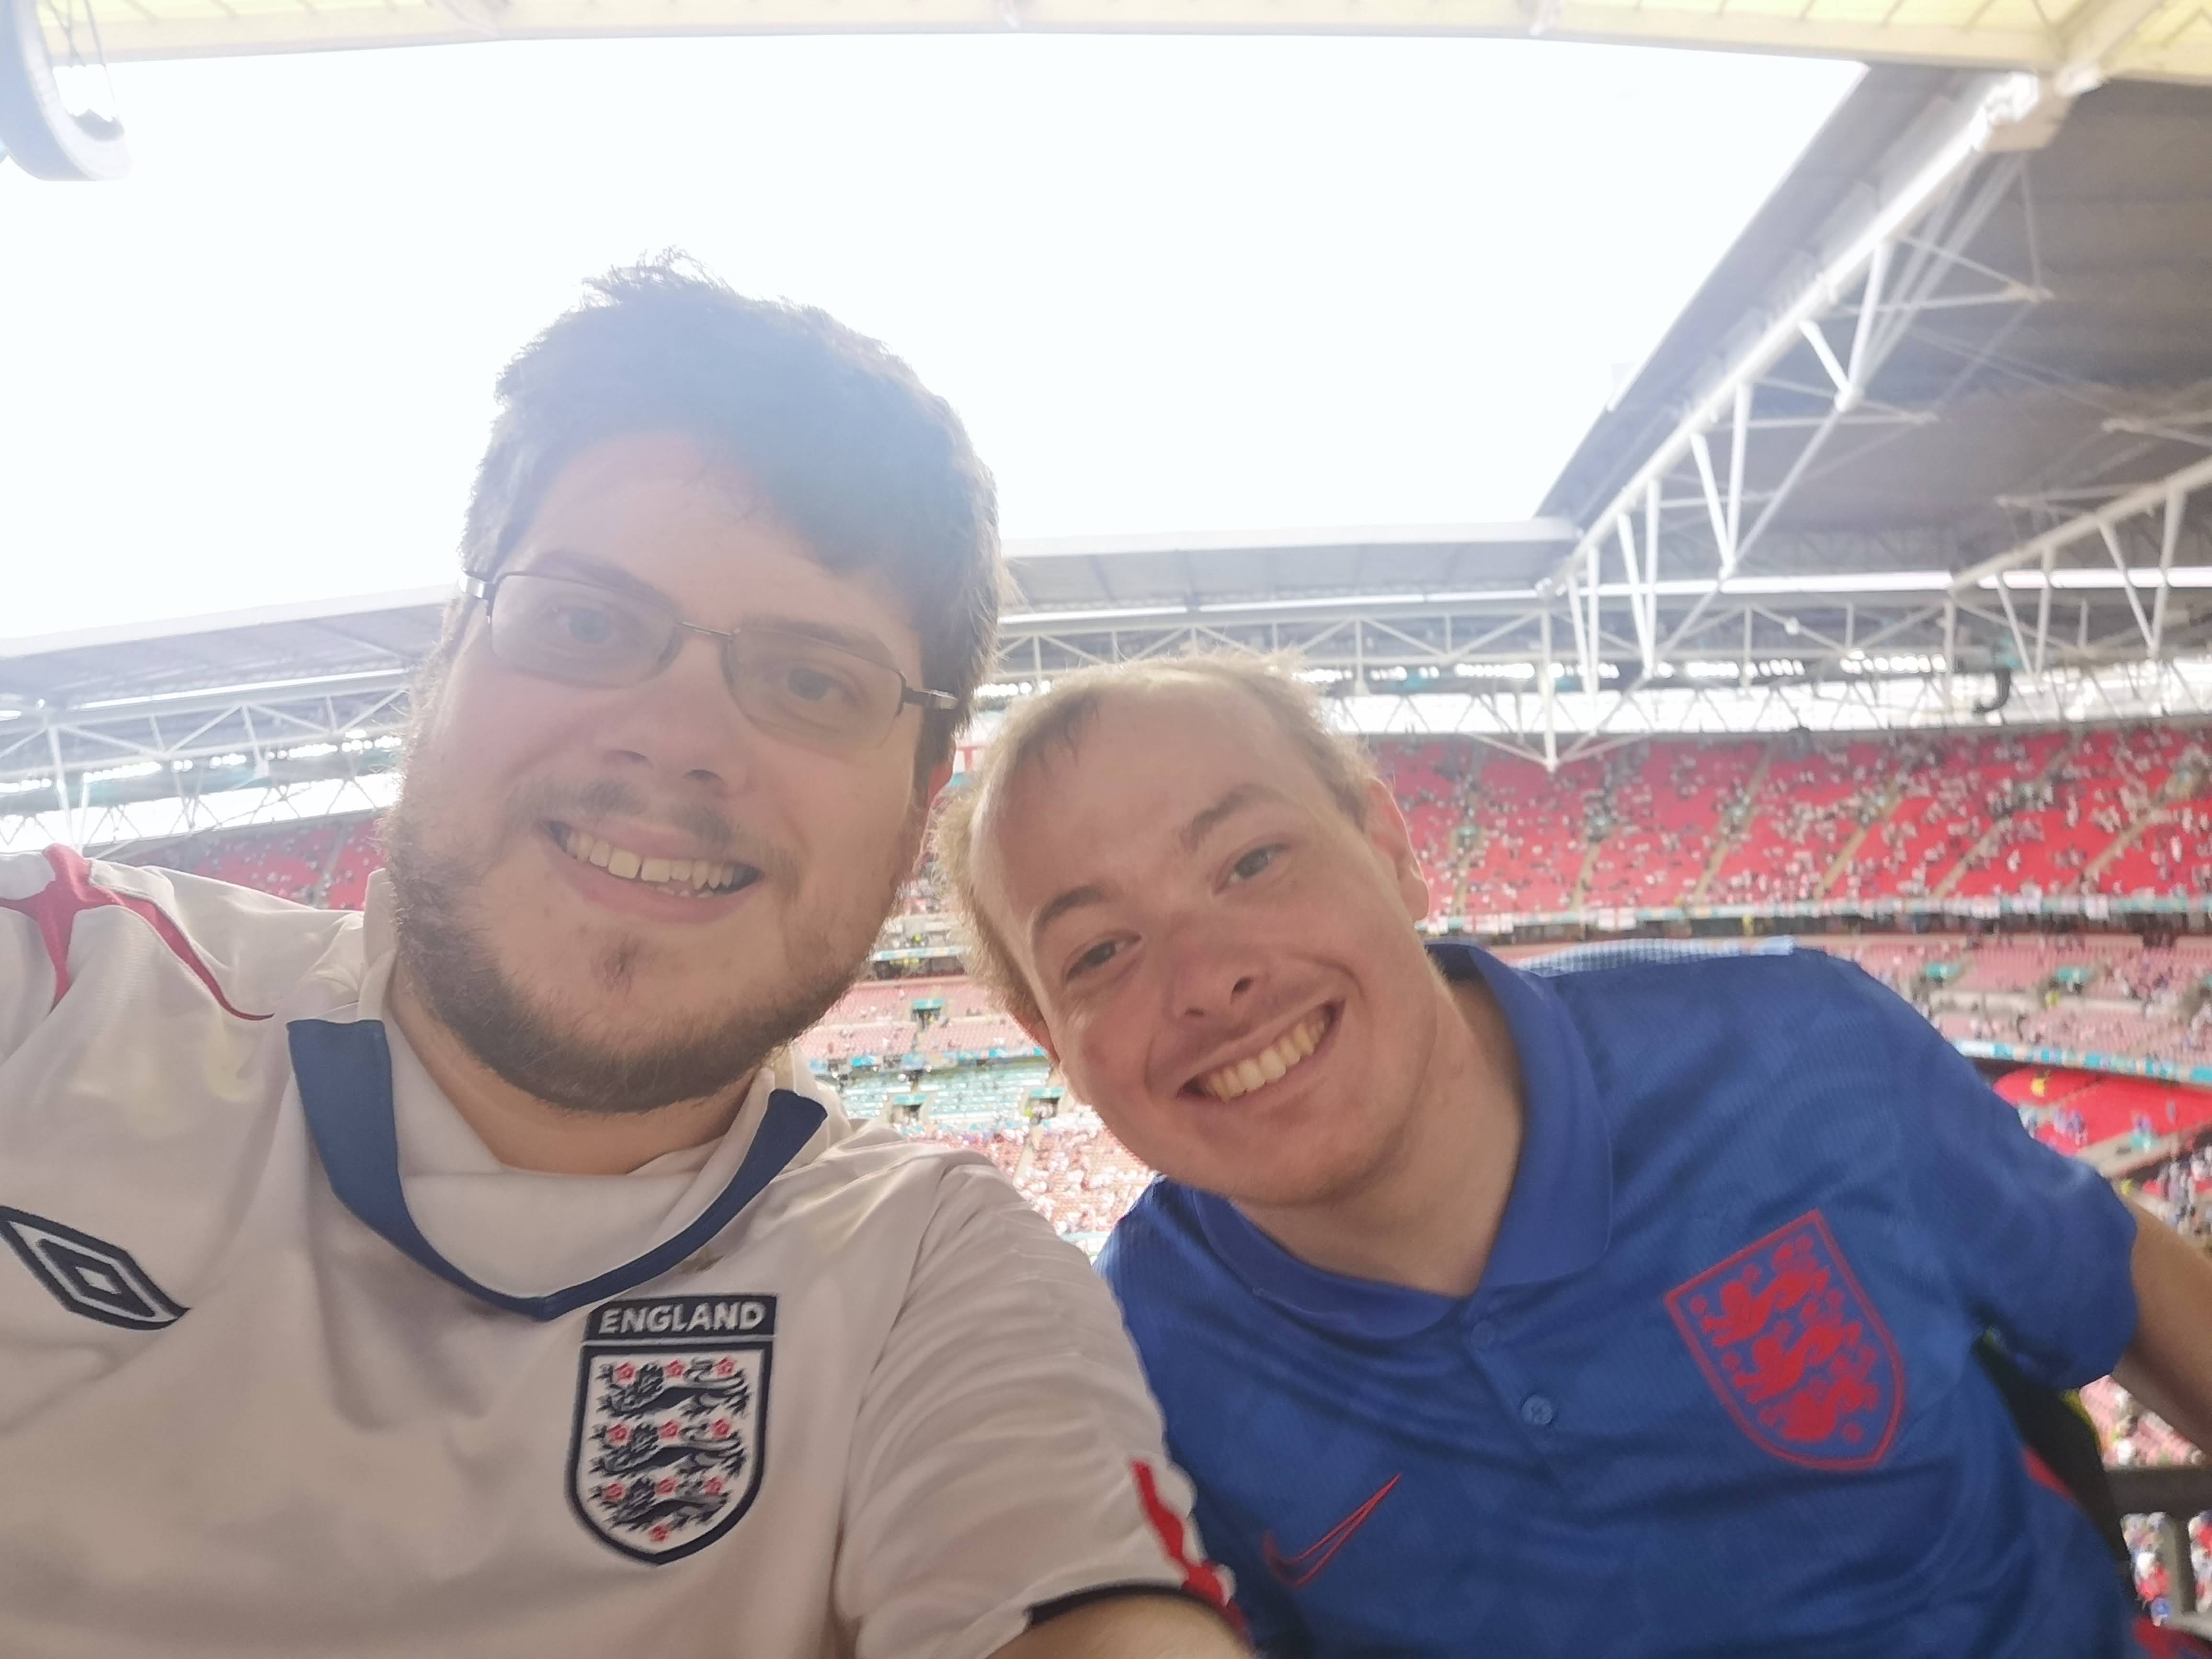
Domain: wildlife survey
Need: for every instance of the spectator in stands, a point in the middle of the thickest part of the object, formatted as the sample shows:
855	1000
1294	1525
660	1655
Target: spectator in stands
1625	1310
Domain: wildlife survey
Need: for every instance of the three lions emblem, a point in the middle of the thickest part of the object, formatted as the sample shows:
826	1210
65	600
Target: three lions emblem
672	1420
1794	1348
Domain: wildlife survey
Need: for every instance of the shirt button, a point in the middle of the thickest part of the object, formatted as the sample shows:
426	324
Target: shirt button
1537	1412
1484	1334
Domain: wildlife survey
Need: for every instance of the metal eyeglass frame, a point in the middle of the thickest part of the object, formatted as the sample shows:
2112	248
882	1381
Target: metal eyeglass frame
487	589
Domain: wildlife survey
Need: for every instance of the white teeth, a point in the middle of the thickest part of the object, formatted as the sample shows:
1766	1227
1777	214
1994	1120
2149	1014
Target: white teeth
698	876
1257	1070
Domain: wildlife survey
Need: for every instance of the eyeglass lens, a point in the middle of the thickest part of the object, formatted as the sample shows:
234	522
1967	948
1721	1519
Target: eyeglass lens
785	682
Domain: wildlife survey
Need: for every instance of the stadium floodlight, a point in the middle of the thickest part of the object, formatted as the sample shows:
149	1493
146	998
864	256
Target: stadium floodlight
42	126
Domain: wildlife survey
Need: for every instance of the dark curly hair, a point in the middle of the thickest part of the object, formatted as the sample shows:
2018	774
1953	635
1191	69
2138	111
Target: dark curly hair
871	468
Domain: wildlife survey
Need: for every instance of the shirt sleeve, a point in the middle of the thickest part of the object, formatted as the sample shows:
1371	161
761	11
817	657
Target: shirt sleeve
1007	1454
26	977
1271	1620
2039	1243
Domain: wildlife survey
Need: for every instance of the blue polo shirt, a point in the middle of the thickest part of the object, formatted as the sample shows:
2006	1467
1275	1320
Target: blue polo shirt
1716	1392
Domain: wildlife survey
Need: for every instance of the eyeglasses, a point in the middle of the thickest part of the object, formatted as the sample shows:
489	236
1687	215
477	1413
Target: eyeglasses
785	681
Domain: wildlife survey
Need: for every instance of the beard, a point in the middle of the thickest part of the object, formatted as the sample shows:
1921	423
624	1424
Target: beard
564	1056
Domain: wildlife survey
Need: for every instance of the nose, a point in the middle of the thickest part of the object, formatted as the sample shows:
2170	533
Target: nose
682	726
1212	976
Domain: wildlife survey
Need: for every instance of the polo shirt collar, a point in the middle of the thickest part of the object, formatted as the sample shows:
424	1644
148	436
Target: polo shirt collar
1559	1216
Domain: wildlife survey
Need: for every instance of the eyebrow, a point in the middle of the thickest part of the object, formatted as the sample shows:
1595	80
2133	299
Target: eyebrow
560	560
1188	838
1191	834
1073	899
857	640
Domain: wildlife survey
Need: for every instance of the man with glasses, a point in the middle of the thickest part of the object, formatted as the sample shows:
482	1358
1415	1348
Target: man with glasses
480	1277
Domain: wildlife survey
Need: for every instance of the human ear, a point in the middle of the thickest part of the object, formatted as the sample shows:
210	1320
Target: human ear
1393	843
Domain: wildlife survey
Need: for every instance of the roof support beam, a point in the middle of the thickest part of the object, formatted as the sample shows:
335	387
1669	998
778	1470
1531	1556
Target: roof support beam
2141	500
2168	541
2120	564
1923	183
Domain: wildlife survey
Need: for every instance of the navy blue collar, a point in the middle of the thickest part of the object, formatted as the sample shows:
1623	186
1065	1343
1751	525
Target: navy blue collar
345	1086
1559	1217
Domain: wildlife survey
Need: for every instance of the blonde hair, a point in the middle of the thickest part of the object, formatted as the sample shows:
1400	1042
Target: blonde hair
1059	717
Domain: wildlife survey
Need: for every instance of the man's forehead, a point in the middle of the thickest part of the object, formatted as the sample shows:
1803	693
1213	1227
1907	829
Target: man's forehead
655	513
1157	760
1169	728
635	460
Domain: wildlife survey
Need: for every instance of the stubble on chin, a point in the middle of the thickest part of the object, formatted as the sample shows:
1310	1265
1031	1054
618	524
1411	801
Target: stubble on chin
594	1050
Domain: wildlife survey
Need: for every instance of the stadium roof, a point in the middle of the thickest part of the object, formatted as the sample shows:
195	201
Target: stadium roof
1936	434
2064	368
1971	334
2081	41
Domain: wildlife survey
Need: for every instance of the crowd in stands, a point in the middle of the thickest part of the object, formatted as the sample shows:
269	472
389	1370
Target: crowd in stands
2112	810
2118	811
325	863
2100	994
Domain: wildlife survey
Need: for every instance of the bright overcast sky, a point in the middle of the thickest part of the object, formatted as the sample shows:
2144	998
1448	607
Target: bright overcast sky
1170	283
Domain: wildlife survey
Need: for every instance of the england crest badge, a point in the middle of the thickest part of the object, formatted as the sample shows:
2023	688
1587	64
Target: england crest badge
1794	1348
672	1420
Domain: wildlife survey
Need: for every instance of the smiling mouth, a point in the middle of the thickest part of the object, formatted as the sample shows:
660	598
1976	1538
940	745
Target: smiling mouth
684	878
1277	1061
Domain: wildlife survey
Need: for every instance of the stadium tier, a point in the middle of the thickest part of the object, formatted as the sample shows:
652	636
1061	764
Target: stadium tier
2117	813
2112	813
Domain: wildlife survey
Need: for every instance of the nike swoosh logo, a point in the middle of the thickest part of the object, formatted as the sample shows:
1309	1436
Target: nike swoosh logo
1298	1571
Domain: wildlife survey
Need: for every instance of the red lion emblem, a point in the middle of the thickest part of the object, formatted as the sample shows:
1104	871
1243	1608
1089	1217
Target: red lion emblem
1795	1349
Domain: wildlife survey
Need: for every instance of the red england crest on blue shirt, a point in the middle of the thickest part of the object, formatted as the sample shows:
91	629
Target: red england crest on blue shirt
1795	1349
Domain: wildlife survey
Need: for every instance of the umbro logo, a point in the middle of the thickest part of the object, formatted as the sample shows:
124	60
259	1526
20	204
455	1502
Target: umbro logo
88	1275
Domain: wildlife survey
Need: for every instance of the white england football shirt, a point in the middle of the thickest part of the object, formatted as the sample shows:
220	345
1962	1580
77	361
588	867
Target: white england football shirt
290	1365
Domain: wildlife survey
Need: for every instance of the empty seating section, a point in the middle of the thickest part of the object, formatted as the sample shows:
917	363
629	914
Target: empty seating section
879	1018
964	1096
2107	1108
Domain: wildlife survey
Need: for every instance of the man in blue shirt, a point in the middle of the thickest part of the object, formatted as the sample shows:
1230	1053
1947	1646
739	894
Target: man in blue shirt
1629	1310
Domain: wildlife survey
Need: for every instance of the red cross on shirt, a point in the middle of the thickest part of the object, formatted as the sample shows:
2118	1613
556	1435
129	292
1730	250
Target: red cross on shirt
54	908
